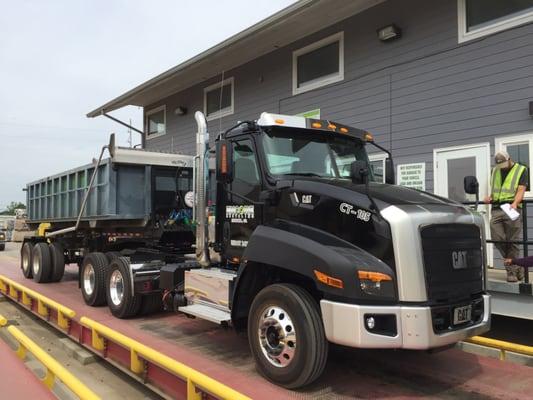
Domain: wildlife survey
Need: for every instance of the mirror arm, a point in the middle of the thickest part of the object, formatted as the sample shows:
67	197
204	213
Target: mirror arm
389	154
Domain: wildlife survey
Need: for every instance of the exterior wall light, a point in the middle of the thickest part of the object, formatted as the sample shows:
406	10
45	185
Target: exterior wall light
389	33
180	110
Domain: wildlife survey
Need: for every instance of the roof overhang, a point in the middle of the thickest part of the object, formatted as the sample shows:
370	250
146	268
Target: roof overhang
288	25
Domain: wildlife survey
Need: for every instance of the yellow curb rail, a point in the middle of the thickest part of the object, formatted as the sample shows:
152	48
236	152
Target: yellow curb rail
502	346
12	289
140	353
54	370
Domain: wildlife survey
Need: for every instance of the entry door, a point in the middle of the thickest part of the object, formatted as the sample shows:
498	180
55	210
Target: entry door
452	164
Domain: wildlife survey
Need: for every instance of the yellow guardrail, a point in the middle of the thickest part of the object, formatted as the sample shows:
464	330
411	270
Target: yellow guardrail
502	346
11	288
53	368
140	353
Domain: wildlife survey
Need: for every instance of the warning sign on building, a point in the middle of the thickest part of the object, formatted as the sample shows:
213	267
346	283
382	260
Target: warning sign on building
412	175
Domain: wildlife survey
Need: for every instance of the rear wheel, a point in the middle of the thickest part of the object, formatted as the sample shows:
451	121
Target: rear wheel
151	303
92	275
111	255
58	262
287	336
121	299
41	263
2	246
26	254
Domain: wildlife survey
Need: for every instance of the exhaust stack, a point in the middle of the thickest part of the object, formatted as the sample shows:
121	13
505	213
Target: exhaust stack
200	188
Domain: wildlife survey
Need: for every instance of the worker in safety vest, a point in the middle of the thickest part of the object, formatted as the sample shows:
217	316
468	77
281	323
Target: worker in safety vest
509	182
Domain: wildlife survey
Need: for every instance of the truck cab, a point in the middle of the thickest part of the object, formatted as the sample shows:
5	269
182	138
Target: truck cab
312	250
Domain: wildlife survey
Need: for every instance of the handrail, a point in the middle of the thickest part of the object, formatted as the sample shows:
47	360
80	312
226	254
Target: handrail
11	288
53	368
140	352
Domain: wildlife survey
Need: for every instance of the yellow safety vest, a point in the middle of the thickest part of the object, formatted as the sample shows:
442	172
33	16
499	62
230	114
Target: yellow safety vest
506	191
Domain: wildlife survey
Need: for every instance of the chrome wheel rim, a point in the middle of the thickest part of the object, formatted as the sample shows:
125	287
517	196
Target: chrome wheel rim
25	261
116	287
88	279
36	265
277	336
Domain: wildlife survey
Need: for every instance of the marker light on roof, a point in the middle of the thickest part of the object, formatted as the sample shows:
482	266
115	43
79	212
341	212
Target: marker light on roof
279	121
369	137
344	130
332	126
316	125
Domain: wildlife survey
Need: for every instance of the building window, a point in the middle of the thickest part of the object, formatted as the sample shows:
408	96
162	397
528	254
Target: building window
318	64
478	18
377	164
155	122
520	148
219	99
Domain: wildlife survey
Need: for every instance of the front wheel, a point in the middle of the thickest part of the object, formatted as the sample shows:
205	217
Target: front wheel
286	336
121	299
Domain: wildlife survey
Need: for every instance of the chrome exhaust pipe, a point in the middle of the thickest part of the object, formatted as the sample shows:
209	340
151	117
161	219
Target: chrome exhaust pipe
201	185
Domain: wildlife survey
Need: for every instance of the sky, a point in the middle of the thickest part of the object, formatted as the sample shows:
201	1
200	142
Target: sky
61	59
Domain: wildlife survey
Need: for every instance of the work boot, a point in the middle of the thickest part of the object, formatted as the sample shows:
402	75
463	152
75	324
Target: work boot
519	272
511	277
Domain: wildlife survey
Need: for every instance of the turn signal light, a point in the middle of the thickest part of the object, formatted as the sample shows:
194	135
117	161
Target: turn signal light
329	280
224	159
373	276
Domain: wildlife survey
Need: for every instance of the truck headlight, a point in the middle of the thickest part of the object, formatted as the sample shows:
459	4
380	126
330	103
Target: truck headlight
376	283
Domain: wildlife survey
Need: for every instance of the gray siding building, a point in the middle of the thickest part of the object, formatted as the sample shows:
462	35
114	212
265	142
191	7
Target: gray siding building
442	83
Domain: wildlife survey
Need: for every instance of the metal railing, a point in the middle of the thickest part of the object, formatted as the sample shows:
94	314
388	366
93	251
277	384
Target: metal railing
54	370
525	242
502	346
139	353
30	297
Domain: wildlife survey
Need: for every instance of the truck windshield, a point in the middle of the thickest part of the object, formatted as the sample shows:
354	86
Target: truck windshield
299	152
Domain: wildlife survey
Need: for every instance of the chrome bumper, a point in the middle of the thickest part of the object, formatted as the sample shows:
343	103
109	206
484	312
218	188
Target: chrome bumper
344	324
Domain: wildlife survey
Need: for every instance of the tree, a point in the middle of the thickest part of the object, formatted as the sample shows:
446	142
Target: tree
10	209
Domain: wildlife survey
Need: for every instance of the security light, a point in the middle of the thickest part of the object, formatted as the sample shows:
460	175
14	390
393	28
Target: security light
389	32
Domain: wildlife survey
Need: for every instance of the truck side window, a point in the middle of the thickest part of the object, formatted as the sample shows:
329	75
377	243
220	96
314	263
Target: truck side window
246	172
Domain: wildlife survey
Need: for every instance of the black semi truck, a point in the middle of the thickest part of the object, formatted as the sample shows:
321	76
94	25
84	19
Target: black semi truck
279	230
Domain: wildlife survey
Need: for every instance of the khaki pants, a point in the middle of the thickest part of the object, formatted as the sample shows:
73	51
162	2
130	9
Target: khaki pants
503	228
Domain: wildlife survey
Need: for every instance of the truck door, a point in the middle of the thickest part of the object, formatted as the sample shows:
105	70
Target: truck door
240	208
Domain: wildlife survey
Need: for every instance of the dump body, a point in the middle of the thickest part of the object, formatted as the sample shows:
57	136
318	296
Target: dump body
124	188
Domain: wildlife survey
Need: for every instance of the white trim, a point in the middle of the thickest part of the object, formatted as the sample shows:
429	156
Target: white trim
464	35
379	157
500	143
225	111
325	80
150	112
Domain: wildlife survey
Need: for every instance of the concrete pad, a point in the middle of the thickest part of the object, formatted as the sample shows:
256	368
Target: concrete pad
479	350
517	358
77	352
2	298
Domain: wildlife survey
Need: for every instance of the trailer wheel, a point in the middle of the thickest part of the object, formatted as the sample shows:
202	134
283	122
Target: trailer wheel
151	303
41	265
58	262
26	255
92	277
286	336
121	299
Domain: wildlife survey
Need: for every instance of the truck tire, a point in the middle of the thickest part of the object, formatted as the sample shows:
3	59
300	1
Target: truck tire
92	279
151	303
26	256
41	266
286	336
121	300
2	246
111	255
58	261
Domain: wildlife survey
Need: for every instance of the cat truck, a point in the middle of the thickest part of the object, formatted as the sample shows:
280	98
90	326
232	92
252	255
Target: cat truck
280	230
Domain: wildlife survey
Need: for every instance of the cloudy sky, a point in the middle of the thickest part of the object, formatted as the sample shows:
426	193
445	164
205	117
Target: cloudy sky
61	59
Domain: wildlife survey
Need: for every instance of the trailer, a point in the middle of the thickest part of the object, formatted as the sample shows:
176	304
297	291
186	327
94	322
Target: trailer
294	243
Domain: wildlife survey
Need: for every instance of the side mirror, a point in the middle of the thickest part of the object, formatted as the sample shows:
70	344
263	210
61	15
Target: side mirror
389	171
471	185
224	161
359	171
